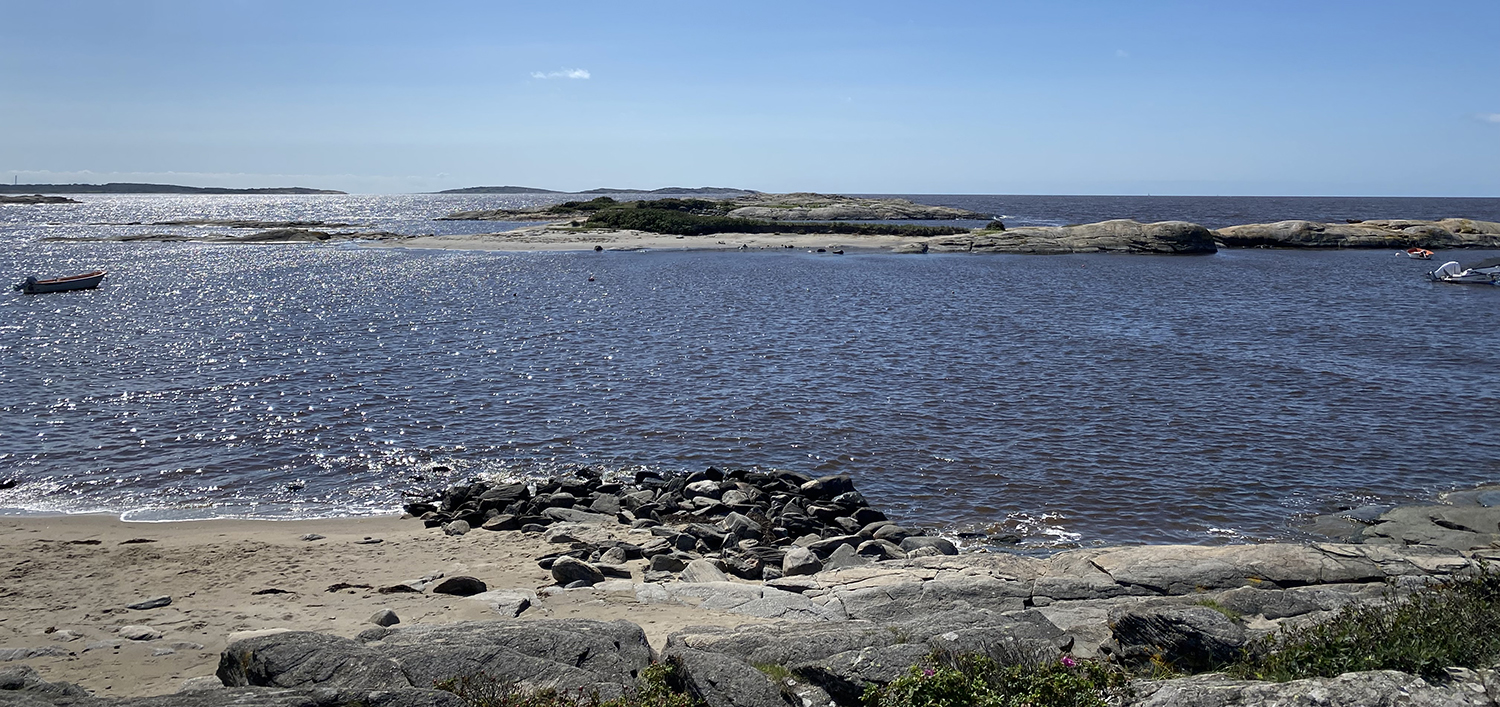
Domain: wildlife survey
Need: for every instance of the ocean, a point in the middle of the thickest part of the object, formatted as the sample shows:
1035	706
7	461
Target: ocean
1071	400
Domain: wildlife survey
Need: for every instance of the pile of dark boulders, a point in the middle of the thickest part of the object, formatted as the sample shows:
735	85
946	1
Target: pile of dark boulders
755	525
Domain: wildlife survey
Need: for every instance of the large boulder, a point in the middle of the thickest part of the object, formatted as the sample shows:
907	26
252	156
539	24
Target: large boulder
1189	638
306	659
22	679
845	676
567	570
782	643
721	681
565	654
800	560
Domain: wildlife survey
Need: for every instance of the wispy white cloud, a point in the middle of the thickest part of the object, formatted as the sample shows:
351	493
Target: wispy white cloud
1489	117
564	74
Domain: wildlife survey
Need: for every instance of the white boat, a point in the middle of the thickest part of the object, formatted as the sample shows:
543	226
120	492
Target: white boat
1418	253
84	281
1483	273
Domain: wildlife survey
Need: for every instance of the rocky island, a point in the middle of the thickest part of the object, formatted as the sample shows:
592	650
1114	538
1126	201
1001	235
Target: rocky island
36	199
801	206
834	224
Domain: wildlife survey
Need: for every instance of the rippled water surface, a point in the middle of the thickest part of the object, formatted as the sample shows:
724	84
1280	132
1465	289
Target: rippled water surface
1072	398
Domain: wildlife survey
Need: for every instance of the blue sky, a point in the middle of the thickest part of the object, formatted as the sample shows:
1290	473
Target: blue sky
1284	98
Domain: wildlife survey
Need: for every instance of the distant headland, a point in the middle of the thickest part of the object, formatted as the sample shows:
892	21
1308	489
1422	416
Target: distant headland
602	190
132	188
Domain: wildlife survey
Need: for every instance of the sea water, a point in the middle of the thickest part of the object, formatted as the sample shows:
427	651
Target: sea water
1069	399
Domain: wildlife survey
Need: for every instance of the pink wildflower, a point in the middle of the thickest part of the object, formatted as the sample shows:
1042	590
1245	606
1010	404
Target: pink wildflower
1068	662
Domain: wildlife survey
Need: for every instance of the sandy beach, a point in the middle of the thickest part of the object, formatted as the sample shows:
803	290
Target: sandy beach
68	580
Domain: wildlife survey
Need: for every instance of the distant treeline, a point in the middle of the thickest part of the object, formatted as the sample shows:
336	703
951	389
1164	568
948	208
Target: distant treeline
132	188
700	217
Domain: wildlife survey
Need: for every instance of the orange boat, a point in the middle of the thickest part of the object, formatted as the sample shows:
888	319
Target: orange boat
1419	253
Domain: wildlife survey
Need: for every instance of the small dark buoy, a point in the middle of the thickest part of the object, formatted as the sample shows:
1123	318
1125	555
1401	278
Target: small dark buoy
591	278
822	250
839	251
296	486
598	248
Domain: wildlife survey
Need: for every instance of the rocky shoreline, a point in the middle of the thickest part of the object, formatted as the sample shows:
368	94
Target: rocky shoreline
36	199
835	598
1118	236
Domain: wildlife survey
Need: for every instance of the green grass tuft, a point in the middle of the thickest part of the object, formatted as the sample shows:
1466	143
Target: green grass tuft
656	688
777	672
977	681
1455	623
1228	613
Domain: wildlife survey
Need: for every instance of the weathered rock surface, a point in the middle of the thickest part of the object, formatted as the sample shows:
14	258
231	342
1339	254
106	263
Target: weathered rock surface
1379	233
23	679
1368	689
845	676
703	571
565	654
805	206
567	570
1189	638
1455	527
1118	236
726	682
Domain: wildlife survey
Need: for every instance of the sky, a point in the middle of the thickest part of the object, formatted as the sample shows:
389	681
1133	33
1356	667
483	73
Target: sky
1207	97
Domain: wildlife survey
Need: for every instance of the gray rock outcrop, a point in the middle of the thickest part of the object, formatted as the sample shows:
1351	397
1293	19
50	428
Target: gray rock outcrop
1118	236
805	206
1382	688
726	682
1188	638
1378	233
565	654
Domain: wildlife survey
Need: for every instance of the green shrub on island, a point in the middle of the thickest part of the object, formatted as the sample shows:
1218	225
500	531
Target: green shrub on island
978	681
1455	623
571	207
685	218
657	688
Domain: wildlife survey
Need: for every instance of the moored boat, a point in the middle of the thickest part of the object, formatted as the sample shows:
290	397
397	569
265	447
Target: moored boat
1419	253
1483	273
83	281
